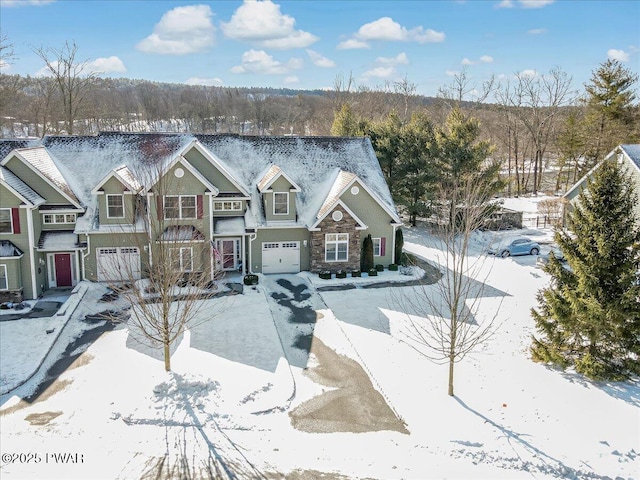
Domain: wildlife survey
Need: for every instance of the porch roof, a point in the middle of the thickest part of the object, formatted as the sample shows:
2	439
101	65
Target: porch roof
181	233
230	226
8	249
61	240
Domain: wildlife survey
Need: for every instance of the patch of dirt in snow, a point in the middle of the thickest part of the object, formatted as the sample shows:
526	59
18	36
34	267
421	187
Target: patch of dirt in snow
311	475
353	405
55	387
41	418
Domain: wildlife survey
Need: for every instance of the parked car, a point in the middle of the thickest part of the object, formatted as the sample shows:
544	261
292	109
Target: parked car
543	259
518	246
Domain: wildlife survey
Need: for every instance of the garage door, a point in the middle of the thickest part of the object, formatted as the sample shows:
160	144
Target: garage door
118	263
280	257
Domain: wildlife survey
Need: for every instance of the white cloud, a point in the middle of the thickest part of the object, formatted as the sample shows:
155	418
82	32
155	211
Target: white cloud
537	31
466	61
620	55
379	72
107	65
207	82
451	73
386	29
524	3
24	3
181	31
535	3
486	59
4	66
528	73
400	59
259	61
482	59
319	60
290	80
352	44
262	23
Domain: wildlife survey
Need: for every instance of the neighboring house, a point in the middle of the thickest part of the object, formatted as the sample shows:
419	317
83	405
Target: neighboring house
629	157
74	208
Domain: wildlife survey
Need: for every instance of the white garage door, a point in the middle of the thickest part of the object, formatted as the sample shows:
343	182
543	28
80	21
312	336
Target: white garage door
280	257
118	263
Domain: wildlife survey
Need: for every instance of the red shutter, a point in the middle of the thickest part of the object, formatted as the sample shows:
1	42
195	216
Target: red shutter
15	219
200	205
383	244
159	205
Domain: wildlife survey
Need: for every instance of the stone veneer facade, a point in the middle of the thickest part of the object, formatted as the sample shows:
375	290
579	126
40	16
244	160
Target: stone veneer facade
329	225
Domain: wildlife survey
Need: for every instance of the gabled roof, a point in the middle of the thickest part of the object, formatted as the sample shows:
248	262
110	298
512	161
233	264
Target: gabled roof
343	181
629	151
20	189
8	249
185	163
124	176
361	224
272	174
39	160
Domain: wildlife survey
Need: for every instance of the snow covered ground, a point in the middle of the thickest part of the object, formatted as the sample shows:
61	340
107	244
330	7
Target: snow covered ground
227	404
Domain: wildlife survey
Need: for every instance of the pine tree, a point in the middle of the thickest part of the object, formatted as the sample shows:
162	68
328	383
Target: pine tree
397	254
366	256
589	316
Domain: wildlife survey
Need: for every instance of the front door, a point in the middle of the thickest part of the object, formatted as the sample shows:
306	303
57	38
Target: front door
63	269
228	253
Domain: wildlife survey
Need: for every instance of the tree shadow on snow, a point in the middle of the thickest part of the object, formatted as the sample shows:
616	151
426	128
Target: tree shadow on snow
628	391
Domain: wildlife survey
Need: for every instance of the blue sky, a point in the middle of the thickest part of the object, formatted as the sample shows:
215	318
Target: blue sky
307	44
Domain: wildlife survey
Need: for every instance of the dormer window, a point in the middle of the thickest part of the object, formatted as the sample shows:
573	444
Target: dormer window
115	206
281	203
57	218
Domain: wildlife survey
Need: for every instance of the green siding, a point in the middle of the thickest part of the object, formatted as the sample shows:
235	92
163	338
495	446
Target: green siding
210	172
96	241
14	272
114	187
280	185
280	235
374	217
35	181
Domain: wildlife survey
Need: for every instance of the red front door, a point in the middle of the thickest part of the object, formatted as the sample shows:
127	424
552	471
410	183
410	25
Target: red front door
63	269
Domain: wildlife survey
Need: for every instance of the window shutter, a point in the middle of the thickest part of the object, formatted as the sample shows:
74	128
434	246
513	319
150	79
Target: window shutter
383	244
200	206
15	219
159	205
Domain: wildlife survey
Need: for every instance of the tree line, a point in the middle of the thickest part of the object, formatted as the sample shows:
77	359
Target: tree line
545	133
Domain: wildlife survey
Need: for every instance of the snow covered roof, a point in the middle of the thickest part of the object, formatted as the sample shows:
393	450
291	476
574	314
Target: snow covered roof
311	163
343	179
273	173
181	233
230	226
8	249
60	240
40	160
21	189
633	152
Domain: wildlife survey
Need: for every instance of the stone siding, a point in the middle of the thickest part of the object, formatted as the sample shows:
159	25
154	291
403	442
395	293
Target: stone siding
329	225
13	296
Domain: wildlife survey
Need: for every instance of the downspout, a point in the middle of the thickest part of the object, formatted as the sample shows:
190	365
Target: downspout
149	229
84	270
211	266
393	243
252	237
32	253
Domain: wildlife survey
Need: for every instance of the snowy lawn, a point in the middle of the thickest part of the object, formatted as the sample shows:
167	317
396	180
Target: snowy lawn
229	398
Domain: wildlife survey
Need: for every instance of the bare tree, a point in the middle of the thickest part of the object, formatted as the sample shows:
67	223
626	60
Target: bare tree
462	89
73	78
179	269
442	319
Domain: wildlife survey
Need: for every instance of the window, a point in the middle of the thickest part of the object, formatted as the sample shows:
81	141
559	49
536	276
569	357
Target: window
180	206
6	225
55	218
115	206
4	282
376	247
227	206
336	247
184	258
281	203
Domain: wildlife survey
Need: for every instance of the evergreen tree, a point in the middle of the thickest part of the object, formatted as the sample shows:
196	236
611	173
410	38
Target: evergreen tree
366	255
348	124
612	115
589	316
397	254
